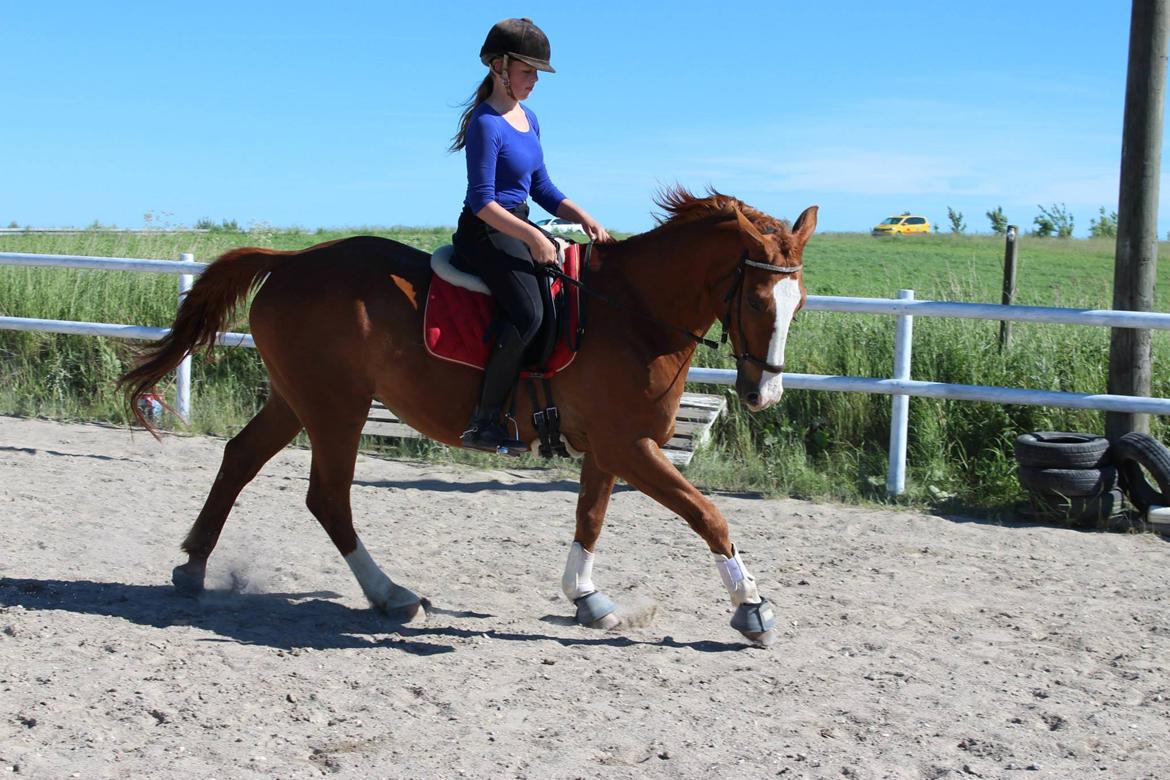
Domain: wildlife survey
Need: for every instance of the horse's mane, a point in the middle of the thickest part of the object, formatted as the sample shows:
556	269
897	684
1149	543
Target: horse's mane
681	206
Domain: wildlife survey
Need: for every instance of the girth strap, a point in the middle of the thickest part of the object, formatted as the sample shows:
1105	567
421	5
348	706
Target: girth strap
547	421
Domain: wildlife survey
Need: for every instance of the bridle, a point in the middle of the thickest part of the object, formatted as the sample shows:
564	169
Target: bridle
736	292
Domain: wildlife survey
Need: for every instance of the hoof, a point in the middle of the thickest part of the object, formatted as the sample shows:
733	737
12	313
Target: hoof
596	610
762	639
407	613
188	579
403	606
756	622
606	623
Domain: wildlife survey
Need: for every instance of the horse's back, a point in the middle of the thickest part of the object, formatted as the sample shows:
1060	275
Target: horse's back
341	267
331	297
377	254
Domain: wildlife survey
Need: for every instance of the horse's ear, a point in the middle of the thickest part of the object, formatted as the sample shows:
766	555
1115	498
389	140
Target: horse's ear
806	223
753	242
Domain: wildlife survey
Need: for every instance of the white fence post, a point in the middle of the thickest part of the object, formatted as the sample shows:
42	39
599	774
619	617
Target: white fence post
183	371
900	405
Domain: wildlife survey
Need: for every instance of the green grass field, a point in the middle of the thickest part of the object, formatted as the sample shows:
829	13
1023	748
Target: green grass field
820	445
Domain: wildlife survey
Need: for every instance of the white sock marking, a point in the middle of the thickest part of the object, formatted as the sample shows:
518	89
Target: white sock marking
374	582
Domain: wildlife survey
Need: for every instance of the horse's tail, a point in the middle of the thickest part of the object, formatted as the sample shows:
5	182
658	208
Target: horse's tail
204	312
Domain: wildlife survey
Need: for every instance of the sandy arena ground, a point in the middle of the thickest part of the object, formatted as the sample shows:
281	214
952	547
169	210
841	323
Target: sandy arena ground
913	646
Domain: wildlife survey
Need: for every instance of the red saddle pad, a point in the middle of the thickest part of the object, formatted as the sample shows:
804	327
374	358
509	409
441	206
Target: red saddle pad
456	320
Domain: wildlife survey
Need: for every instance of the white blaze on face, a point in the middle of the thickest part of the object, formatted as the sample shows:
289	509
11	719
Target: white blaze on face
786	293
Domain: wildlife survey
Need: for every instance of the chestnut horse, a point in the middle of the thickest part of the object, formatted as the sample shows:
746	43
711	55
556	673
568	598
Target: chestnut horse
340	323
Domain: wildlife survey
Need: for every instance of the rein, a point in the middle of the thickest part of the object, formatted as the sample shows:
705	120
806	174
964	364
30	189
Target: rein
744	262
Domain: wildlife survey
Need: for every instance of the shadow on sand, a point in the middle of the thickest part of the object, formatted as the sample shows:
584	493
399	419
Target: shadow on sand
55	453
461	486
283	620
1129	522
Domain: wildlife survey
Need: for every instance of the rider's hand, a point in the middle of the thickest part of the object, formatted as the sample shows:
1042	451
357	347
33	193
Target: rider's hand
542	248
595	231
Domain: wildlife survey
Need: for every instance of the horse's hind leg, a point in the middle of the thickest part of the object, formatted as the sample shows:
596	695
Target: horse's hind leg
646	468
335	443
594	608
265	435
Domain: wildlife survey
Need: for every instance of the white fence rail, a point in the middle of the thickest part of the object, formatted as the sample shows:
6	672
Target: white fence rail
901	387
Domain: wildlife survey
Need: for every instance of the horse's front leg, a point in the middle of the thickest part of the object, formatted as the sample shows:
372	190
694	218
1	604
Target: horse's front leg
645	467
594	608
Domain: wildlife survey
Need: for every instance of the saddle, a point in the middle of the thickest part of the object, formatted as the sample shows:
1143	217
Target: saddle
459	315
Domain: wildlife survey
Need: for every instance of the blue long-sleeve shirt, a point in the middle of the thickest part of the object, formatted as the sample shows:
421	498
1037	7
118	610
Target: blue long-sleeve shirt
506	165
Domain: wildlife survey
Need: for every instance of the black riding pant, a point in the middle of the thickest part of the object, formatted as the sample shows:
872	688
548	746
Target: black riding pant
512	280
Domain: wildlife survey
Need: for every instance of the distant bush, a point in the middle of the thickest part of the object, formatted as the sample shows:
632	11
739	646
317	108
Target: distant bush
1053	221
224	226
956	218
1105	226
999	221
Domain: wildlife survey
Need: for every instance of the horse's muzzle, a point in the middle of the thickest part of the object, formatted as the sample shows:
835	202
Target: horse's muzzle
758	395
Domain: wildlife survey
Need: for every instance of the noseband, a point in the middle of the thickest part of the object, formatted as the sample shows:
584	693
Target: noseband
736	291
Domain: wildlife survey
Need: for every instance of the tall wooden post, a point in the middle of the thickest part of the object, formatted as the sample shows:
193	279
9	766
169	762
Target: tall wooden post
1009	283
1136	257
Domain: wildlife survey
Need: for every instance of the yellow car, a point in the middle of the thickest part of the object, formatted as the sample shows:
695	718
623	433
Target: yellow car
901	225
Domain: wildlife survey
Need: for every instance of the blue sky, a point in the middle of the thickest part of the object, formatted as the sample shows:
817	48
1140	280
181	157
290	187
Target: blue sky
290	114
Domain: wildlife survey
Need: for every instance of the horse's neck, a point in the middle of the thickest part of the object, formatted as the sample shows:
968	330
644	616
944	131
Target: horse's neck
669	275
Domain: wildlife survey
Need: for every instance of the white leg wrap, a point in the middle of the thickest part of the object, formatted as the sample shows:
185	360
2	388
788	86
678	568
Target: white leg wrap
740	583
577	580
375	584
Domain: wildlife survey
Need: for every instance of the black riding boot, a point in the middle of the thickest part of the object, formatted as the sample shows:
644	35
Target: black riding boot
486	431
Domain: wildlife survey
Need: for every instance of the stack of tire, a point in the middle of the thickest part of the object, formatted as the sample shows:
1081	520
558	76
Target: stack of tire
1080	479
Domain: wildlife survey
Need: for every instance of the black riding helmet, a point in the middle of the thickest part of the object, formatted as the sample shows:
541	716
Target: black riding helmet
520	39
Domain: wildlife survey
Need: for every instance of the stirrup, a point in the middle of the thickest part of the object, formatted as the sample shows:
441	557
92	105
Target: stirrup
492	436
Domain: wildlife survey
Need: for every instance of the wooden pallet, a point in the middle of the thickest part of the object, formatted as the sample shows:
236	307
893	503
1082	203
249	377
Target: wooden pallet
696	416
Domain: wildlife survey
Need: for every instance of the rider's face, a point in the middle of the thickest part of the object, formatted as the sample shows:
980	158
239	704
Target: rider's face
523	75
523	78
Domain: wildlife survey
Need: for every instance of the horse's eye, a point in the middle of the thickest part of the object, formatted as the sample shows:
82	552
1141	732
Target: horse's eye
757	305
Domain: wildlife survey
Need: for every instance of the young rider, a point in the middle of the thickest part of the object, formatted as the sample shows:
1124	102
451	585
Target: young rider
505	164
